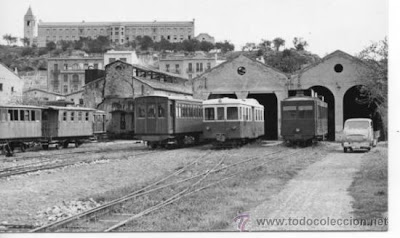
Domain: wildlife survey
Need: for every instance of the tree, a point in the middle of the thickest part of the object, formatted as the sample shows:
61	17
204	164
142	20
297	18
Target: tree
250	46
265	45
206	46
224	46
278	42
25	41
10	39
299	43
51	46
376	80
144	42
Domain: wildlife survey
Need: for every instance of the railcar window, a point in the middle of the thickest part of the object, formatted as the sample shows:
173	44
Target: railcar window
72	116
15	115
27	115
64	116
22	115
161	111
87	116
209	114
220	113
151	111
142	111
305	111
79	116
232	113
171	110
289	108
33	115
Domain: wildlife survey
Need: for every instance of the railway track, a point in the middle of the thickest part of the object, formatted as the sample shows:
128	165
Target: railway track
53	163
111	216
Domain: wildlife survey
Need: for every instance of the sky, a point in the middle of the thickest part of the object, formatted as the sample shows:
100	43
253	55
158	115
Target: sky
327	25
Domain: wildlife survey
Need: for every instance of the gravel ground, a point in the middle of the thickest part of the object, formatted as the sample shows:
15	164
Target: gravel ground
27	196
319	192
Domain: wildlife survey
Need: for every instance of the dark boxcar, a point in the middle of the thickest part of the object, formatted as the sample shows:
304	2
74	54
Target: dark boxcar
304	119
19	124
228	120
166	121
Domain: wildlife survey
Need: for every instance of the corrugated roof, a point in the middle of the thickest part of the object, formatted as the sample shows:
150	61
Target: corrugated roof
165	86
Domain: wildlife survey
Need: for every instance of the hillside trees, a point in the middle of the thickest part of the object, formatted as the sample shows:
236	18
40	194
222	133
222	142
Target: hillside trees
376	79
10	39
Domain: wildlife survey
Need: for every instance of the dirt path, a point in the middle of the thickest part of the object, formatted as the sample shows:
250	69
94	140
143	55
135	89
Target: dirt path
318	192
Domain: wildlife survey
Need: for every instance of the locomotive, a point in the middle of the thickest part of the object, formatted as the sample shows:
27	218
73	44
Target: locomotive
304	119
22	125
232	122
167	121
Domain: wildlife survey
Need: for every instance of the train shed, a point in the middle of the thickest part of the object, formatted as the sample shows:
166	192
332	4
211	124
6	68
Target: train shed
338	77
242	78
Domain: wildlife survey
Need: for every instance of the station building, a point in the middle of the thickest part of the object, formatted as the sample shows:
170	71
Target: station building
337	77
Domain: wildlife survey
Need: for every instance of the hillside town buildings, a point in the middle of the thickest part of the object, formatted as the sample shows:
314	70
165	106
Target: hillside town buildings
10	86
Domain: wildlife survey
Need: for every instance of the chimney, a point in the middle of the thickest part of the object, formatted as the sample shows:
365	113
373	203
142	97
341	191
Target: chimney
16	70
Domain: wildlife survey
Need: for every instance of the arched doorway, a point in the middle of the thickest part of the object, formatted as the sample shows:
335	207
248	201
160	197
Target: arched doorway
329	98
270	103
356	105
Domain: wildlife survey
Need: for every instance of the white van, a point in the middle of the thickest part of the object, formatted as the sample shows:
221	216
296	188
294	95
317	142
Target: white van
358	134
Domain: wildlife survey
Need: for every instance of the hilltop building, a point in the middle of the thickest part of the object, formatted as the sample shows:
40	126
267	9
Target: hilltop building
117	32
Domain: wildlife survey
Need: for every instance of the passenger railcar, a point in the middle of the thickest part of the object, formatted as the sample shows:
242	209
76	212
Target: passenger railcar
22	125
167	121
64	125
232	122
304	119
19	125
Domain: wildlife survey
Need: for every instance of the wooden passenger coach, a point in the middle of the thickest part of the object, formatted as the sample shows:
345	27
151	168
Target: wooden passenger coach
19	124
234	121
22	126
166	121
64	125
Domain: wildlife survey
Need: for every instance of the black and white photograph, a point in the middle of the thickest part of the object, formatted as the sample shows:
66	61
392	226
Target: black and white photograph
179	116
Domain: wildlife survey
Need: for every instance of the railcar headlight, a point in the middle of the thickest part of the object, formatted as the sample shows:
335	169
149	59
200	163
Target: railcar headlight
208	128
297	129
233	128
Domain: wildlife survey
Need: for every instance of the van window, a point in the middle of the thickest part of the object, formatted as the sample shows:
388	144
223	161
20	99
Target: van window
357	125
22	115
209	114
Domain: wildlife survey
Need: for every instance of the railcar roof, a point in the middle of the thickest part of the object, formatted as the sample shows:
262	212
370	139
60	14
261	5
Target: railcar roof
359	119
219	101
22	106
71	108
174	98
301	98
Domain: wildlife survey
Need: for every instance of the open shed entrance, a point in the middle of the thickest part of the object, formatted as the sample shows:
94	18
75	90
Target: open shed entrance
270	103
356	105
330	100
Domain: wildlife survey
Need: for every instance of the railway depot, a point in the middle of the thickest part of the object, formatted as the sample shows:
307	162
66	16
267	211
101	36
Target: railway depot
337	77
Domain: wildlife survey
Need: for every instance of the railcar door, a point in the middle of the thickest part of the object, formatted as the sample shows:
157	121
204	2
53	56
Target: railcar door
171	117
151	116
49	123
